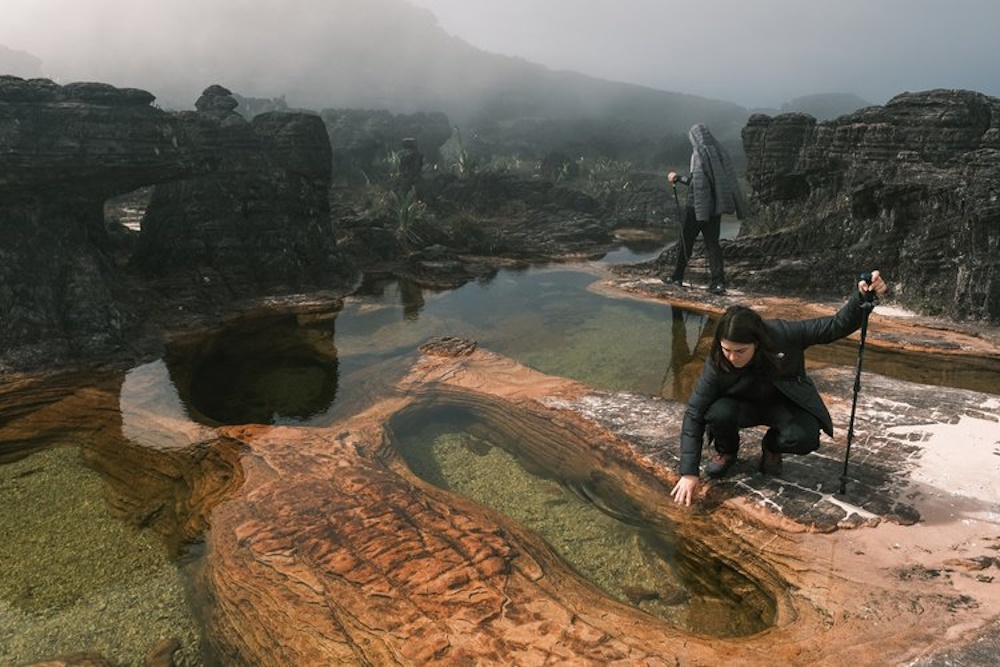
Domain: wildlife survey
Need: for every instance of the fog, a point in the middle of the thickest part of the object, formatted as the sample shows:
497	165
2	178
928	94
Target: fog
319	52
760	53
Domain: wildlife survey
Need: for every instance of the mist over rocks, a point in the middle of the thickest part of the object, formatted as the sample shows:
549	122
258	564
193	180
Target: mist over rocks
19	63
370	54
358	137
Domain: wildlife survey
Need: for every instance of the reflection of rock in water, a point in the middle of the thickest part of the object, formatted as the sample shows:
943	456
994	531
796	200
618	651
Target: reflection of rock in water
276	369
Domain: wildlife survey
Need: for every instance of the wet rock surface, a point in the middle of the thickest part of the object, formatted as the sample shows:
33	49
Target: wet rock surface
328	529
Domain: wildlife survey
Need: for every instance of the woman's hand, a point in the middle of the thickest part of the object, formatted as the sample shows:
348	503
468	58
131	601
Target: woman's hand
672	177
685	489
877	285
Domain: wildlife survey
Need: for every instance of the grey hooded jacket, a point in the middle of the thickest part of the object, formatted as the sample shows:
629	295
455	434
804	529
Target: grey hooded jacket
714	188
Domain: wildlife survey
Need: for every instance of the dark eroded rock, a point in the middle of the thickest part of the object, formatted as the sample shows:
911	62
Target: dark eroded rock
909	188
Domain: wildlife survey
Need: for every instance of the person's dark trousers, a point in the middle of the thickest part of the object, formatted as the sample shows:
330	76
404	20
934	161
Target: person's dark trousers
709	231
793	429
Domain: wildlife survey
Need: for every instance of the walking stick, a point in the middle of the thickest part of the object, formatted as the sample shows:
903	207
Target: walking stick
866	309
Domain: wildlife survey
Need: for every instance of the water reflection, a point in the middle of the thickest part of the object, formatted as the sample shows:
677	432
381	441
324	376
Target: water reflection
545	317
287	372
409	293
264	371
690	338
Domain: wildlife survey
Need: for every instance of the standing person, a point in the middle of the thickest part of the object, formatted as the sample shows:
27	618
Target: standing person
755	375
713	190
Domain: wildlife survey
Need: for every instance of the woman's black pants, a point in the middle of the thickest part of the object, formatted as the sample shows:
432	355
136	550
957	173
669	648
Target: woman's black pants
709	230
794	430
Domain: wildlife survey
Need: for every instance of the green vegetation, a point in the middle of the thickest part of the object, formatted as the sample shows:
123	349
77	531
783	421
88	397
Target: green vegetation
409	211
457	157
607	176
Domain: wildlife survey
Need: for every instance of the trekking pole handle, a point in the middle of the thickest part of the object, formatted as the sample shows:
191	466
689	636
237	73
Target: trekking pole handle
869	295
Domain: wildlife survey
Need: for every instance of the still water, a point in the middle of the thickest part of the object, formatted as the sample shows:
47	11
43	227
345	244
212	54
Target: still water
548	318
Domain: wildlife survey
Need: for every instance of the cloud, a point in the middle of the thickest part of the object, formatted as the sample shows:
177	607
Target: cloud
754	53
759	53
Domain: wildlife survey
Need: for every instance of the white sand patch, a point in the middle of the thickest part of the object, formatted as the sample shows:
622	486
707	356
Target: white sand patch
895	311
962	459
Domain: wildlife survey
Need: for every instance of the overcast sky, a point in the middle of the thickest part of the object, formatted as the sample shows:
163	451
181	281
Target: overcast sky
754	53
757	54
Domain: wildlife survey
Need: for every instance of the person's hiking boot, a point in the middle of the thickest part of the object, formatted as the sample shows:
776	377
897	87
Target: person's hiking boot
770	462
717	288
719	465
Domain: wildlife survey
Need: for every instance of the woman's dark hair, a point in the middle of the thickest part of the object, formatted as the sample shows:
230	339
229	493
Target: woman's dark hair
740	324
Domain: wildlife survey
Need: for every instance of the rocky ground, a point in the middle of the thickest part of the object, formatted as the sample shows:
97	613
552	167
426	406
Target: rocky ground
329	529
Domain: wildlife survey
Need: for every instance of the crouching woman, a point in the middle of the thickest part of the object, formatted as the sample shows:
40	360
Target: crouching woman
755	375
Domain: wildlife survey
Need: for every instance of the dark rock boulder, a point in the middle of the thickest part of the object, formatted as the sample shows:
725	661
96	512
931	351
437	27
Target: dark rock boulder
499	214
254	196
64	150
257	223
465	227
910	187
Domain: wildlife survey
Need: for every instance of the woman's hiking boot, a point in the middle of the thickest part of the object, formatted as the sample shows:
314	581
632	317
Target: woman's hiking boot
719	465
770	462
770	459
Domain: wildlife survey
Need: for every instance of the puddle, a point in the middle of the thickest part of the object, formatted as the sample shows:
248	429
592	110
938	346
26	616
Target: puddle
586	520
117	589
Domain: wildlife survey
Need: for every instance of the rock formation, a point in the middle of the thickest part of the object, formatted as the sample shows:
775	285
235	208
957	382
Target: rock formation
909	187
360	137
258	222
254	196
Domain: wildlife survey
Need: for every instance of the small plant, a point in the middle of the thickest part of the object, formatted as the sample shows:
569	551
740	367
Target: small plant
465	166
512	164
409	211
392	161
462	163
607	176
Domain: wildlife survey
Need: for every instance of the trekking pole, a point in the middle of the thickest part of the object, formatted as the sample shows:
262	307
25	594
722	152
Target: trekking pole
866	309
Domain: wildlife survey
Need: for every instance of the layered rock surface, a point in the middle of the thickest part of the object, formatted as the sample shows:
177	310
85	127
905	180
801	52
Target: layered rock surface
330	530
258	222
910	188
